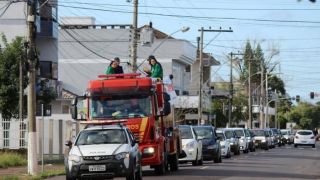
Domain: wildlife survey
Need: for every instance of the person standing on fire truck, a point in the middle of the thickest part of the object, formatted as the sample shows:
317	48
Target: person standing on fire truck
111	69
156	68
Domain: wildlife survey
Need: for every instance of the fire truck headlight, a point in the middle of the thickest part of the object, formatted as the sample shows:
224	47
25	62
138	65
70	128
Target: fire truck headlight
149	150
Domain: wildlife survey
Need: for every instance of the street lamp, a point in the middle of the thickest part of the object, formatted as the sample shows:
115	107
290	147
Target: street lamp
182	29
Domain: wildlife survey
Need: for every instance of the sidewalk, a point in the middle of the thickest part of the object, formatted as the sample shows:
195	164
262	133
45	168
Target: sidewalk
23	170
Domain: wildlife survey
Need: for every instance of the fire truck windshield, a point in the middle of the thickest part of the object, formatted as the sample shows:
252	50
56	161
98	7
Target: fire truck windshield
120	107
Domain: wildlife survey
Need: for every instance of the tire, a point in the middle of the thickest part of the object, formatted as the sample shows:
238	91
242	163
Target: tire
200	162
216	159
295	145
132	175
70	178
195	162
174	162
220	159
228	153
139	173
161	168
313	146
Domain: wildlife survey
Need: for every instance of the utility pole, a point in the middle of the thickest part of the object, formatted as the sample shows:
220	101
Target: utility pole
202	30
262	124
266	119
200	76
32	143
249	99
134	37
231	87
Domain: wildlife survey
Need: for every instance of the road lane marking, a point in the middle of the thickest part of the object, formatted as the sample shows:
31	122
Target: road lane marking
205	167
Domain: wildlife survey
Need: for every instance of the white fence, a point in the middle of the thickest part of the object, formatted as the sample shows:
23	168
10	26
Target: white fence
52	132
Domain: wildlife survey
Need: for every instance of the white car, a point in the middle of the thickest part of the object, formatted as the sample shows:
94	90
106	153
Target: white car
224	144
304	137
104	151
286	133
244	143
191	146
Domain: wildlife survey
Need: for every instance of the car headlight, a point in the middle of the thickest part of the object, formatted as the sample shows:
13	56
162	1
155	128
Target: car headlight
263	140
122	155
190	145
149	150
241	140
74	158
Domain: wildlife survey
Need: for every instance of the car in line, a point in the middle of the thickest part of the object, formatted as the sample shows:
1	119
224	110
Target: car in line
304	137
261	138
288	136
210	144
244	143
250	139
191	146
103	151
271	138
224	144
234	140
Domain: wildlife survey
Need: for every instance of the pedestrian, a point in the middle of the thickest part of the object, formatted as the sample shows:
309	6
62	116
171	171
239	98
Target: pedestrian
111	69
156	68
119	69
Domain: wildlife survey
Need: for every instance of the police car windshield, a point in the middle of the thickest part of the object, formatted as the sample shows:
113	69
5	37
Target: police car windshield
119	107
102	136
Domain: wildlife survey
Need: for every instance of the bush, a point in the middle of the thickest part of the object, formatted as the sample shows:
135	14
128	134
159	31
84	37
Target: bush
9	159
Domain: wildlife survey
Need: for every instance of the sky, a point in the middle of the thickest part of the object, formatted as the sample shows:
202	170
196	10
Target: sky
290	26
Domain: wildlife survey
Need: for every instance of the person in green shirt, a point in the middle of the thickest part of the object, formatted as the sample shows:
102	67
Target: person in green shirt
111	69
156	68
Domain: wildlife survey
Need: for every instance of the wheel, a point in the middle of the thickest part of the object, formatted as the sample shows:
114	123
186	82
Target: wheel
132	175
246	151
216	159
161	168
220	159
228	154
295	145
195	162
200	162
314	146
174	162
139	173
70	178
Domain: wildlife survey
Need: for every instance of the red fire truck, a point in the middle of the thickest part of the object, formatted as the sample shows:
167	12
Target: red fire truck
141	104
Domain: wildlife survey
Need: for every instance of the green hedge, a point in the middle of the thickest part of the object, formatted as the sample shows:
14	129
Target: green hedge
9	159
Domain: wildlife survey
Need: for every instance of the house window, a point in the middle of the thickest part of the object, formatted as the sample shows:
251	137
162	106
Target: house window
65	109
46	110
46	69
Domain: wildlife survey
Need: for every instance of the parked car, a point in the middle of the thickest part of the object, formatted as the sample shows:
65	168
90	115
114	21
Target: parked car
261	138
288	136
234	140
244	142
224	144
304	137
191	145
278	136
250	139
272	138
210	144
104	151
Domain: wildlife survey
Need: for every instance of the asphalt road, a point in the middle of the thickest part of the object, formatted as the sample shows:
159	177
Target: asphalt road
284	162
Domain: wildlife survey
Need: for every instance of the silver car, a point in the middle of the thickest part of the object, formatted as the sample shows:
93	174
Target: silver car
244	143
234	140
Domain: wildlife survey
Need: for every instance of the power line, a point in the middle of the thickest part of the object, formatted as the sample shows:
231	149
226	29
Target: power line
197	17
194	8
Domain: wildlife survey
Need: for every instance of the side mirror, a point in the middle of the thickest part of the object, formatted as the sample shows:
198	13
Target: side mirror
68	143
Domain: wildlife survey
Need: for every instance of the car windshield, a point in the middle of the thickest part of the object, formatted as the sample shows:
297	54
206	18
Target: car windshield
204	132
221	136
239	132
258	132
285	132
229	134
101	136
304	133
117	107
186	133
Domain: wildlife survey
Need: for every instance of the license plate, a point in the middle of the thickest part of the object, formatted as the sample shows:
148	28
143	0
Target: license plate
97	167
304	141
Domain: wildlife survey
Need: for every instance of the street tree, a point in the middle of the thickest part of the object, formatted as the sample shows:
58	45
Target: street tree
10	56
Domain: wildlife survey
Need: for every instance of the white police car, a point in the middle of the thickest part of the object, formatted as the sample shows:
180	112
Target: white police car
104	151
